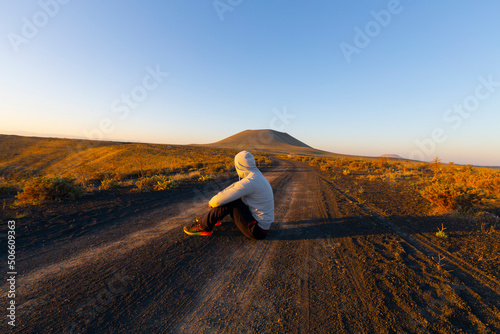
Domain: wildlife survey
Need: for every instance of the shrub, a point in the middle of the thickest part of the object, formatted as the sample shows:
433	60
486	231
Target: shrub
447	196
423	167
155	183
440	233
262	160
485	179
186	176
342	162
108	184
100	176
316	162
360	165
205	178
216	168
382	162
41	189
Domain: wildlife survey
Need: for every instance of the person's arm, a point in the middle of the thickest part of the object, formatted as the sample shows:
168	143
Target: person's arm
231	193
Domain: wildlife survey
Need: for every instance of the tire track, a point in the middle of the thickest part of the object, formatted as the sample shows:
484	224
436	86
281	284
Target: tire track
29	281
424	244
353	278
483	291
33	285
251	305
491	282
327	266
228	295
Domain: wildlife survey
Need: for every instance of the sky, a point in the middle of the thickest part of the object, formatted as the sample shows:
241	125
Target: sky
415	78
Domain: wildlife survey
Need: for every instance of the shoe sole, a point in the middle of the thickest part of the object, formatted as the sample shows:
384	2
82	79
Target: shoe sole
202	233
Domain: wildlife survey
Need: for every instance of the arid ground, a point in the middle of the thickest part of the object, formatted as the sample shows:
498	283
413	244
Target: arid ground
118	262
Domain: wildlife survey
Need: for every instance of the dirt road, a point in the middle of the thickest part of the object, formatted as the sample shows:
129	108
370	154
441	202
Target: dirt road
329	265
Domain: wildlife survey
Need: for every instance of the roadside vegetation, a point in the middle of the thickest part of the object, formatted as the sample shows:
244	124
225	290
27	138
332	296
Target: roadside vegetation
42	189
454	208
38	170
443	188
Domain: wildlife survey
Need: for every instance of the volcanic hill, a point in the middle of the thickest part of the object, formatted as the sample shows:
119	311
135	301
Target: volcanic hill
268	141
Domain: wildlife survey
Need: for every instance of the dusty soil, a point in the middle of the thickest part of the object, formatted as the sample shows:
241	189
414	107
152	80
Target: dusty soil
120	263
470	238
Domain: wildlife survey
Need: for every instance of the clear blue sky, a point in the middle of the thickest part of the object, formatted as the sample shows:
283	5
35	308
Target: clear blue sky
355	77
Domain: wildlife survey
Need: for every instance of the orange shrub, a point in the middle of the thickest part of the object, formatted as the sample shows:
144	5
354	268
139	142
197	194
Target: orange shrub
41	189
448	196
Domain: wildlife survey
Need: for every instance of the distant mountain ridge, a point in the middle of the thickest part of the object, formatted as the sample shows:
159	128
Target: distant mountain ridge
273	141
392	156
44	152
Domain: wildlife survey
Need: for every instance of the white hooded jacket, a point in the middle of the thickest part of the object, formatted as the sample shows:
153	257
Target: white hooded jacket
253	189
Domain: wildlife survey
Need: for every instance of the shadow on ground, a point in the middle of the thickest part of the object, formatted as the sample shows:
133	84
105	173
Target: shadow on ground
310	229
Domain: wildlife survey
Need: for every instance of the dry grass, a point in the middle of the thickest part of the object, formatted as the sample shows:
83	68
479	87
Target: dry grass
447	187
91	160
107	165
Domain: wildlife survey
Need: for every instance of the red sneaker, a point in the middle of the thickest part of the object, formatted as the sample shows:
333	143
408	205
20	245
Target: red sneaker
216	224
196	229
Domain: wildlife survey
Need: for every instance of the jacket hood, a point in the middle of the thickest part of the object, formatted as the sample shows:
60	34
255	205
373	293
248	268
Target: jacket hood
244	164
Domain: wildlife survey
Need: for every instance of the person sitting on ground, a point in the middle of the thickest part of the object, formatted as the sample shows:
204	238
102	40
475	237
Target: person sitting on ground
250	202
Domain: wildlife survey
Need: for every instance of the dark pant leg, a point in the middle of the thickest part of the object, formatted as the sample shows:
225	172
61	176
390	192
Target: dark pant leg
215	214
241	216
257	232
